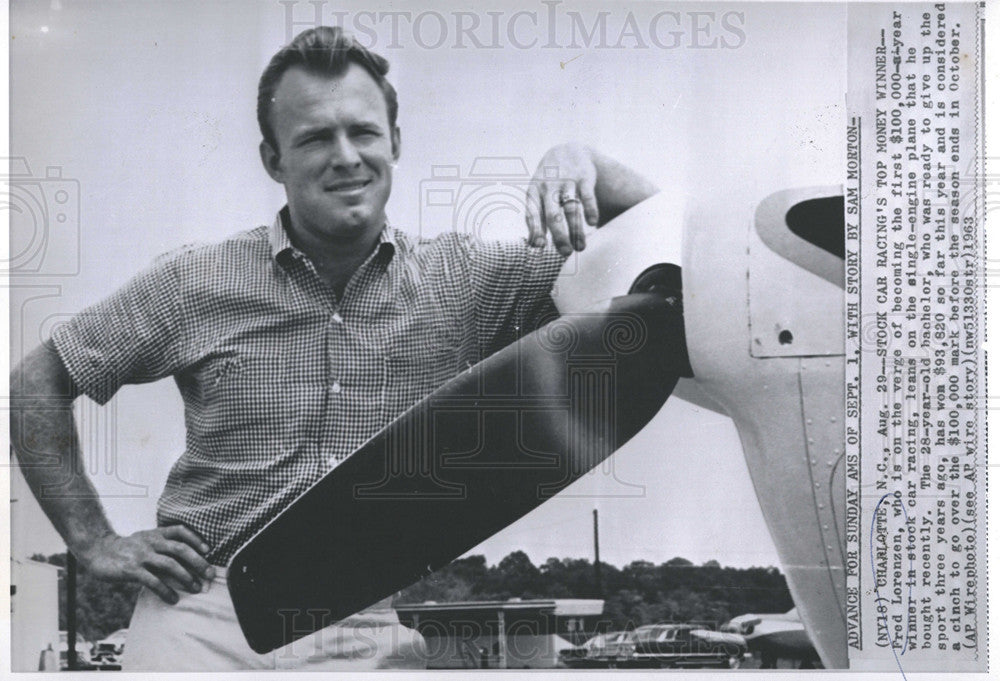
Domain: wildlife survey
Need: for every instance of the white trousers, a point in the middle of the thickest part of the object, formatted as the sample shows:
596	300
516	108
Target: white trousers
201	634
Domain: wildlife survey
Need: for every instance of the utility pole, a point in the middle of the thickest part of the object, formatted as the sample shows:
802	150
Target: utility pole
597	561
71	610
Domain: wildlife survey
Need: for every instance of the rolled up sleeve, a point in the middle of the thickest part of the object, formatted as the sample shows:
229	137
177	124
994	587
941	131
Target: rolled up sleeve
511	284
132	336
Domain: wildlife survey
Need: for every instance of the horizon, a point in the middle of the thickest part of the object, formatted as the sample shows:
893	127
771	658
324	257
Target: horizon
539	565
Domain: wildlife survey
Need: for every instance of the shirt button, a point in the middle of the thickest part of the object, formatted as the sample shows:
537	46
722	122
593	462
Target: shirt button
335	387
337	318
332	461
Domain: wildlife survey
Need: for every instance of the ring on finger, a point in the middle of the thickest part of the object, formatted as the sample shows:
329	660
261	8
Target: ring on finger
565	199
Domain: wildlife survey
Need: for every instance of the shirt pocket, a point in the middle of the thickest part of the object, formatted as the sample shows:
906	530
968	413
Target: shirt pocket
421	359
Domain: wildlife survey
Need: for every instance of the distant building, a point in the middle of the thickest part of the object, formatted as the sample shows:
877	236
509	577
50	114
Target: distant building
34	612
512	634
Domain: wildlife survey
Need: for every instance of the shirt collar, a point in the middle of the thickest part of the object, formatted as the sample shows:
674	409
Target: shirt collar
281	244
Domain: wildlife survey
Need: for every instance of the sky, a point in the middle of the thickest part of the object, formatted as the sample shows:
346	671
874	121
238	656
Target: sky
144	116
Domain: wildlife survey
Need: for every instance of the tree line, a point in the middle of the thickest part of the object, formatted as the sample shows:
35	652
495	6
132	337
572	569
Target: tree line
639	593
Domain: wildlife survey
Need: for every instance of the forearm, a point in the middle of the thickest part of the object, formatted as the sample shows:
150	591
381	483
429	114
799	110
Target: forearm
618	187
44	439
43	435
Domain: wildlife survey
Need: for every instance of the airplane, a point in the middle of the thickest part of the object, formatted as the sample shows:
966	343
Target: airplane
763	301
774	636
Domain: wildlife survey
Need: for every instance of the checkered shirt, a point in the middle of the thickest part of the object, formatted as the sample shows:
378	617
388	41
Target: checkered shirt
281	380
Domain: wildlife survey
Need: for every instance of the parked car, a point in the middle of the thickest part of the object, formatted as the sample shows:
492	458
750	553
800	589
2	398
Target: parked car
687	645
108	650
598	651
611	649
618	649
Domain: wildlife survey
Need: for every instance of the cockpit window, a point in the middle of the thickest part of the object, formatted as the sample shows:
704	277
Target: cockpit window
820	222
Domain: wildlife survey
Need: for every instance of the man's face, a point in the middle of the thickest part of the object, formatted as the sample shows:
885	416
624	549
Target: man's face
335	154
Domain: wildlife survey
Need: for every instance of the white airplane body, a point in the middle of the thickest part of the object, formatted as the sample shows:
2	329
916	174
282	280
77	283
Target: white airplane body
764	324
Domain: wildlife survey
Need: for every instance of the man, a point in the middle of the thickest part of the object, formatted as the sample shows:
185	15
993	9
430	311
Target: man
290	345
